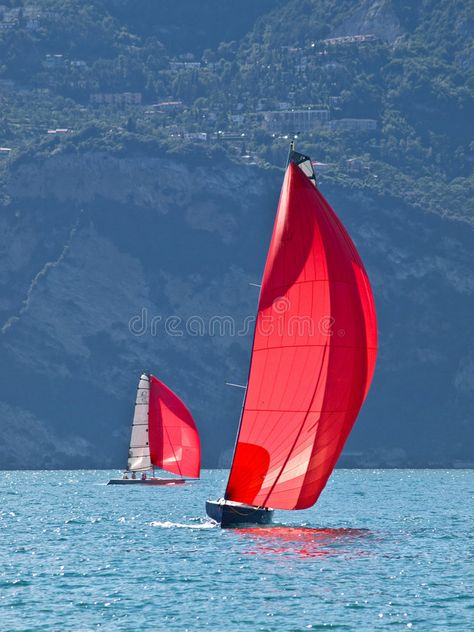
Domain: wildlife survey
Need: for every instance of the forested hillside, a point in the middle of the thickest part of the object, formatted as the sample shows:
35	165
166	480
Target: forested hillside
225	66
116	112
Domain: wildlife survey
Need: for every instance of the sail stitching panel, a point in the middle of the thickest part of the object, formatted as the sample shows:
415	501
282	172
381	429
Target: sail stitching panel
277	447
302	425
174	451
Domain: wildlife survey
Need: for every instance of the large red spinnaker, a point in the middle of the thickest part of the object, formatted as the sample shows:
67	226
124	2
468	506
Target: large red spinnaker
313	355
173	436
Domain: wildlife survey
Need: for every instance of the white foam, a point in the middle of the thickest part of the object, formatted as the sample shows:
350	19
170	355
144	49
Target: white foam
209	524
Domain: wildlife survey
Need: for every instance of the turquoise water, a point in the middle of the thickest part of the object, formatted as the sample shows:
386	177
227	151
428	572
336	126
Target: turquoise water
381	550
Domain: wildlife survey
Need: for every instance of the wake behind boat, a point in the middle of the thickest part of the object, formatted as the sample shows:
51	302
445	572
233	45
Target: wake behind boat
164	436
313	356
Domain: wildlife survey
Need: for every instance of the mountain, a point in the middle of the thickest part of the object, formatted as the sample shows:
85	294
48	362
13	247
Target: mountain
130	232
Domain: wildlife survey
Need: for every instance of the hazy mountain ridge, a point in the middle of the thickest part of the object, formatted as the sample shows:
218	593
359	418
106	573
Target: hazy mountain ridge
186	243
120	211
121	260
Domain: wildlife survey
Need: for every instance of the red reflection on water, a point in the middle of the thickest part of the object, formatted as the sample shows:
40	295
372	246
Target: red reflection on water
303	541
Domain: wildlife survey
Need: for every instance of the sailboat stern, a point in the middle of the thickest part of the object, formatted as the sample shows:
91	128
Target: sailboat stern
232	514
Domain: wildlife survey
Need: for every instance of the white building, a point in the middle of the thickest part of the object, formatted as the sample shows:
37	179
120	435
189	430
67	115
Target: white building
354	124
295	120
116	98
350	39
202	136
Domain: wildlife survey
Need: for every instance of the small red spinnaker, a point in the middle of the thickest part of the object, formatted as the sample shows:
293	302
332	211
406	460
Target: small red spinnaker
173	436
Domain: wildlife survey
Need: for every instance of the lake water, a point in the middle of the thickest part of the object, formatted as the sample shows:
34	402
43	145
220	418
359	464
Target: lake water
381	550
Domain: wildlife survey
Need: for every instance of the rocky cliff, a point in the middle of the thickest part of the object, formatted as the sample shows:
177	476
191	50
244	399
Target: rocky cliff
111	265
376	17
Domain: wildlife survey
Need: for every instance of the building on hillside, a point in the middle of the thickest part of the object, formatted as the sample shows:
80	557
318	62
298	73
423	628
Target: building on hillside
169	107
184	65
54	62
116	98
7	24
32	11
321	167
175	131
294	120
228	135
357	164
349	39
353	124
237	119
202	136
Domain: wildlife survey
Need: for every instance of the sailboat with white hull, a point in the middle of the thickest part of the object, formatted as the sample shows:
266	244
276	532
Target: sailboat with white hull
313	357
164	436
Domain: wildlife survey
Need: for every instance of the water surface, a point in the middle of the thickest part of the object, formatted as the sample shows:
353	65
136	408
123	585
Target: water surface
386	549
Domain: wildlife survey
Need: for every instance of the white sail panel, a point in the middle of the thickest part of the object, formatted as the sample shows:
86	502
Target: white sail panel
139	452
304	163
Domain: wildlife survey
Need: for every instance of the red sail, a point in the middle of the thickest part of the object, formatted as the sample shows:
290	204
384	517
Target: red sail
173	436
313	355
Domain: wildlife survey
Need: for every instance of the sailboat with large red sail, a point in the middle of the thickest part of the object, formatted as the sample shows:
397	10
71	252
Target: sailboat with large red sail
313	357
164	436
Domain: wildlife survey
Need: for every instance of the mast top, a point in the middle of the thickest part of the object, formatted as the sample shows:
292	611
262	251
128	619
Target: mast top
302	161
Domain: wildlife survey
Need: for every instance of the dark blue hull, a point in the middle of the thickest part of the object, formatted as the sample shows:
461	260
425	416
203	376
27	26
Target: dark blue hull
236	515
